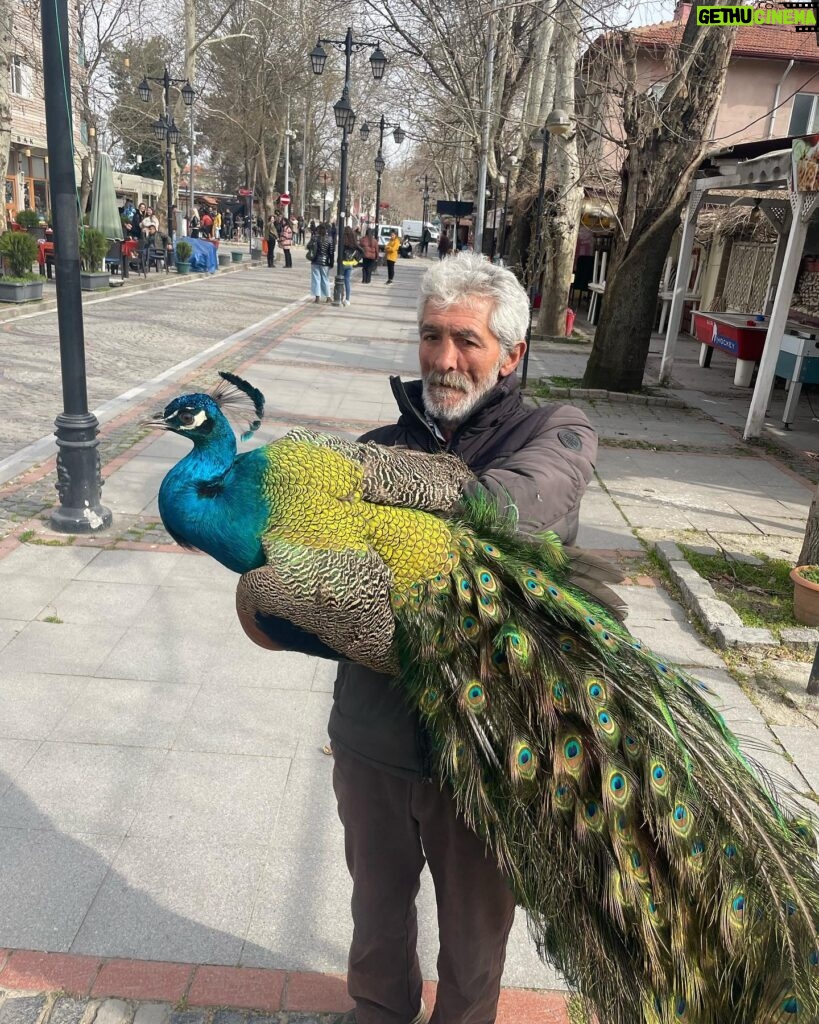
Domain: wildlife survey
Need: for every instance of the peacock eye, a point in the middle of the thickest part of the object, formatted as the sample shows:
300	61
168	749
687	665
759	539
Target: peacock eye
185	417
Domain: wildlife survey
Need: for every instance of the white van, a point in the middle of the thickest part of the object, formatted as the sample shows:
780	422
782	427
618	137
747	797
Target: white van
413	230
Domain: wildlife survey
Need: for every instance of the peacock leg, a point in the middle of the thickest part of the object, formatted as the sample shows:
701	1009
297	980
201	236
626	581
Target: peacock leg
341	597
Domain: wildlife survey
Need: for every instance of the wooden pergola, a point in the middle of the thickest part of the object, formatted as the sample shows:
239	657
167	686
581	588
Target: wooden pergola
761	171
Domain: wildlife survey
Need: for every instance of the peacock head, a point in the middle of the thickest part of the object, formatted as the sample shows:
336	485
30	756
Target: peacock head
194	416
200	417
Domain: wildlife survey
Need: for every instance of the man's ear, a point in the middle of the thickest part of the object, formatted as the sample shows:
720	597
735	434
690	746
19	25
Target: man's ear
510	363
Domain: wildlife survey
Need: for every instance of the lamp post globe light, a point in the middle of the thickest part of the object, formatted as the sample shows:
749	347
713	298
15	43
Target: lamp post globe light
345	119
165	129
380	163
558	122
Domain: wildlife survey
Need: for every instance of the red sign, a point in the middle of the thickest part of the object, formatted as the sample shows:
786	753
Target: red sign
245	191
284	199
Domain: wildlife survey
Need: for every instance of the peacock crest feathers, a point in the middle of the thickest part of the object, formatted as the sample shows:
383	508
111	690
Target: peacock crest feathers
233	391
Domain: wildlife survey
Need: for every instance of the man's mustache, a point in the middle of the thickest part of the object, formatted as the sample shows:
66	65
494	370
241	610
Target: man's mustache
453	379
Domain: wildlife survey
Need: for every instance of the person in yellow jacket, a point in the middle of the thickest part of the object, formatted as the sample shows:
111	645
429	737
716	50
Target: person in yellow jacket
391	255
217	225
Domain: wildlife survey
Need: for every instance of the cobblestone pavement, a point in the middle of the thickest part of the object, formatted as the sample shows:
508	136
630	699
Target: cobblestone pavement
130	338
23	499
52	1008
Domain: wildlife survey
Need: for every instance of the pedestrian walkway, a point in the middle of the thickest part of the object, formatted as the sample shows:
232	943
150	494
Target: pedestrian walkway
166	810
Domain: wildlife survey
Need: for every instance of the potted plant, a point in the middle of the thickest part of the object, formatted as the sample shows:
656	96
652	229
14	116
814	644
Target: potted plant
183	256
93	248
19	251
31	221
806	594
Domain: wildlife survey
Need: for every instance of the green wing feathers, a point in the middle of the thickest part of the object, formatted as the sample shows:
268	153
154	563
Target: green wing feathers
657	870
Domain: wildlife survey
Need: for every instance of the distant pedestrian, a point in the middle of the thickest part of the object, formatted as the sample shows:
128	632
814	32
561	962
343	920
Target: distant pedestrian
272	238
426	236
444	245
351	257
227	226
391	250
286	241
217	225
321	253
238	226
300	236
369	250
207	224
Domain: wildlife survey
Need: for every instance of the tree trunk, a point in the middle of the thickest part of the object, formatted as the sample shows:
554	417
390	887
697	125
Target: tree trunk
628	317
809	555
562	218
85	182
6	51
665	141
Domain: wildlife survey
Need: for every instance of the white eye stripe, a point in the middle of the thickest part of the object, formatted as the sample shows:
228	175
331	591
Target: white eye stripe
198	420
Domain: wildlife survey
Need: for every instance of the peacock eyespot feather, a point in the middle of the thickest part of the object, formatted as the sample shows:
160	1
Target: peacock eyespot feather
474	697
572	749
596	690
491	550
790	1005
470	626
524	761
534	588
730	851
566	644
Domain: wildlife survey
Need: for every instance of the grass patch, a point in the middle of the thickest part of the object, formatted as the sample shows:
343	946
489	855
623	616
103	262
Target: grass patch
31	537
53	618
761	595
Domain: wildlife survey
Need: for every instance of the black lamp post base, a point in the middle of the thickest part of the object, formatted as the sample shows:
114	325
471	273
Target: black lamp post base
338	289
81	520
79	480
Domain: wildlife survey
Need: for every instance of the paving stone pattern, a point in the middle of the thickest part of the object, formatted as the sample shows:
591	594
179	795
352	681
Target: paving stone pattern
16	1008
30	500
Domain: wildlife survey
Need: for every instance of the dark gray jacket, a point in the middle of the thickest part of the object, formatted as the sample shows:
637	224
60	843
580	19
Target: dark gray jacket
541	460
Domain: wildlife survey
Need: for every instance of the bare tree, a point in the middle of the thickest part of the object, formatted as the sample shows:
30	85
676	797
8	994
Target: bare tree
665	137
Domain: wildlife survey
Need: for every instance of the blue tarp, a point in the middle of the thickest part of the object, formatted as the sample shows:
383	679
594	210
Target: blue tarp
203	257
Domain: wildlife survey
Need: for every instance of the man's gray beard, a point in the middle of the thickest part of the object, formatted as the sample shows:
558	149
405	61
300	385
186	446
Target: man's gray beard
450	415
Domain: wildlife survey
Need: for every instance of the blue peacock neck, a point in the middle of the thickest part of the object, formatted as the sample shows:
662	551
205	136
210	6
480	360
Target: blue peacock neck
211	502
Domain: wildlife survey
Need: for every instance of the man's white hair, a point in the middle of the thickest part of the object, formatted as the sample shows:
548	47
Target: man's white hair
458	279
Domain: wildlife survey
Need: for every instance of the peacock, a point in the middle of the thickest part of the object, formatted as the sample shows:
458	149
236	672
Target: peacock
659	869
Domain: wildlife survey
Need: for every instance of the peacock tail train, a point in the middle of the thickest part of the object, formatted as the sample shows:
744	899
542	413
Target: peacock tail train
658	868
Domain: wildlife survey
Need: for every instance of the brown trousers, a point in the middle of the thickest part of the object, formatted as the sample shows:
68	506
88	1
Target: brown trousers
391	826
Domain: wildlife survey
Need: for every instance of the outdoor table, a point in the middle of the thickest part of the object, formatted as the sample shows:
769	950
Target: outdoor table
798	364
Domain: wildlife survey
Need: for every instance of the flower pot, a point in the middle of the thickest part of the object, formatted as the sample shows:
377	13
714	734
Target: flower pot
237	257
27	291
224	259
183	268
805	597
93	281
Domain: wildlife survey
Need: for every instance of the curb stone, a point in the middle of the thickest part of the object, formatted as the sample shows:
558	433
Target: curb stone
599	395
718	617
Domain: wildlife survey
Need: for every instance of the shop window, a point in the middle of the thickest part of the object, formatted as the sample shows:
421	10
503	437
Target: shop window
19	77
804	114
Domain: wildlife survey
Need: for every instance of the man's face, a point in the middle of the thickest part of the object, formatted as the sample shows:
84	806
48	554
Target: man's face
461	359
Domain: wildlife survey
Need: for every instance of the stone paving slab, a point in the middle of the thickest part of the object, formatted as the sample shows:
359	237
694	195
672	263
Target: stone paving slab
225	877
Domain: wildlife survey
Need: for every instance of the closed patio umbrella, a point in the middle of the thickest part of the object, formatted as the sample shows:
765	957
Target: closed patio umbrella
105	216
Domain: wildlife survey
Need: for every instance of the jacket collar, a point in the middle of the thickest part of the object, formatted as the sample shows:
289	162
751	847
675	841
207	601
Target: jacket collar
493	407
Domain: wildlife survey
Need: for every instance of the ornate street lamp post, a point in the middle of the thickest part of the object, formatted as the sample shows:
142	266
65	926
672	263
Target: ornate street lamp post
380	163
78	461
557	123
345	119
165	128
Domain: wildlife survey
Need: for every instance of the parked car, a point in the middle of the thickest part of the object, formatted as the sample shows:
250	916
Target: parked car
384	232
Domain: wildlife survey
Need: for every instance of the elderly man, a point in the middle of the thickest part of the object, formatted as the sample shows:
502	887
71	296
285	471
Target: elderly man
472	318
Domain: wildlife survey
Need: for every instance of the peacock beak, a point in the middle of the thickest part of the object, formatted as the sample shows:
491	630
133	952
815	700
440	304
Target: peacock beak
157	421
